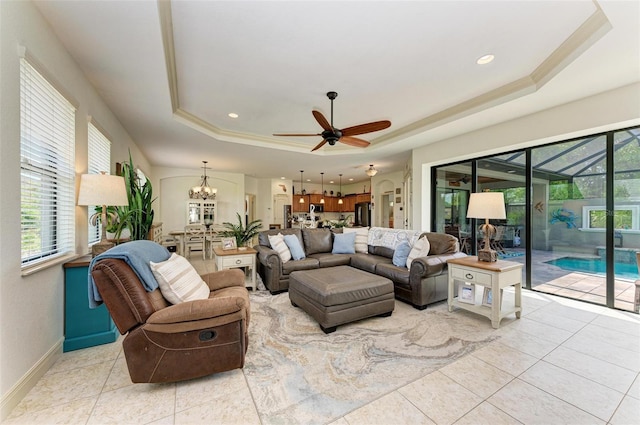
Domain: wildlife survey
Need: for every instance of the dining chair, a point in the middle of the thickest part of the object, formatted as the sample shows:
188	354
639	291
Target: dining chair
195	238
213	239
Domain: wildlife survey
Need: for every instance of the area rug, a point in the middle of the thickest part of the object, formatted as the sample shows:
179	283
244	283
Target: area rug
299	375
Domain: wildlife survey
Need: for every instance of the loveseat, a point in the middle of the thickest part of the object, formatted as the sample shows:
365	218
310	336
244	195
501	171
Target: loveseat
424	283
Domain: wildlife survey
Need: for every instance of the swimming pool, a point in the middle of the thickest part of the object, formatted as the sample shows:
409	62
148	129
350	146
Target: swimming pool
595	265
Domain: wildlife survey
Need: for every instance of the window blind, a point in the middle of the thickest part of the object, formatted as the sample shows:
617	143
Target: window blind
47	154
99	160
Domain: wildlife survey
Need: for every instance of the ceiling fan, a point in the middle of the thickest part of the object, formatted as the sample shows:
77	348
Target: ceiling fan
332	135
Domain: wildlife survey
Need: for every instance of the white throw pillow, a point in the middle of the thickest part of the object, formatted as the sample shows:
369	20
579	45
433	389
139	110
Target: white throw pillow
278	244
362	237
420	249
178	280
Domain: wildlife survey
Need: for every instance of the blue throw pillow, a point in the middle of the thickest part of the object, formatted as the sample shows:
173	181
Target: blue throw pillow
400	254
344	243
292	241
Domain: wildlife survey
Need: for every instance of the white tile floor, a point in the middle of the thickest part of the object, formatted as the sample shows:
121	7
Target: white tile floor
564	362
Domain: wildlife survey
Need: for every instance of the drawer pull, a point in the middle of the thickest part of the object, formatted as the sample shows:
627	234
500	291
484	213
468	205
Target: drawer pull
468	276
238	261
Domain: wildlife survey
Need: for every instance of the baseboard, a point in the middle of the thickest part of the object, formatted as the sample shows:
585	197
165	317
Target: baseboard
29	380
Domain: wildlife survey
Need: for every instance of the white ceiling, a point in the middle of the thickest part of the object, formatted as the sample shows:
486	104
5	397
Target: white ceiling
172	71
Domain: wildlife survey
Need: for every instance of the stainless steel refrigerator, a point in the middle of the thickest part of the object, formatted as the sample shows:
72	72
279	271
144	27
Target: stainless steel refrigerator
363	214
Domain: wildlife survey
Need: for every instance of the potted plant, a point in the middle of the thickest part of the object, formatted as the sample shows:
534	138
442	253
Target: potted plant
242	234
138	215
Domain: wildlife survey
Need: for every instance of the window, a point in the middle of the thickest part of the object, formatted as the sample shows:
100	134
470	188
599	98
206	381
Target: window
47	150
99	160
625	217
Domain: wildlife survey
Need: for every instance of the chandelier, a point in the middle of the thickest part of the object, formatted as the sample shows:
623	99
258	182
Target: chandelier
204	191
371	171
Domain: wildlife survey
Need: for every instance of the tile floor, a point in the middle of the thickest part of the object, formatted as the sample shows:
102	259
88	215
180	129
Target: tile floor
563	362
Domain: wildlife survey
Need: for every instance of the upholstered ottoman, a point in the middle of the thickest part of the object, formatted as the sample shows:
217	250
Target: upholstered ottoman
338	295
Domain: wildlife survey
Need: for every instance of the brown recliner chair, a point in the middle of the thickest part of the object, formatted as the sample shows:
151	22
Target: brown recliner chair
168	343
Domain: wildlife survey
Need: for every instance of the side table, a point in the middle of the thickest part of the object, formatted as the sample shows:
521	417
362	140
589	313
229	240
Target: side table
83	326
496	276
235	258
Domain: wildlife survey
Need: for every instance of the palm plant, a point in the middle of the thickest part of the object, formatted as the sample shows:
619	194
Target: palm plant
138	215
242	234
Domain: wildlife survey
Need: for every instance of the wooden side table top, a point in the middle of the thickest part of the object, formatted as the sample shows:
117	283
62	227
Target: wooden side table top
221	252
496	266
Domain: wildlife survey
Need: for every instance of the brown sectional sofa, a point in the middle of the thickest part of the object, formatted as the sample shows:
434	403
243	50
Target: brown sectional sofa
425	283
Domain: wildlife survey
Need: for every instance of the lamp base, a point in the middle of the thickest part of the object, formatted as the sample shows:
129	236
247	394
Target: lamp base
101	247
487	255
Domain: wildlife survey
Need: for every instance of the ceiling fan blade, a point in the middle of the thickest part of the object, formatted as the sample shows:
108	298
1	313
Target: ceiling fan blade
297	135
319	145
321	120
354	141
366	128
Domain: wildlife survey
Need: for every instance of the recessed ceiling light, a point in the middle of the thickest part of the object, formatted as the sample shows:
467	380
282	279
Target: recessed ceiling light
233	115
283	178
350	180
483	60
331	182
308	180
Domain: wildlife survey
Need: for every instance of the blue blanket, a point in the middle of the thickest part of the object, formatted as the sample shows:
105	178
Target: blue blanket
137	254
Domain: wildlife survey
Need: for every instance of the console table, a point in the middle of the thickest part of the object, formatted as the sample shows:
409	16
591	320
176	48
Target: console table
235	258
83	326
494	275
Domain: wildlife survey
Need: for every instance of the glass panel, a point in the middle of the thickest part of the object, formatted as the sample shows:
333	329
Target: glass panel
626	221
568	257
495	175
452	197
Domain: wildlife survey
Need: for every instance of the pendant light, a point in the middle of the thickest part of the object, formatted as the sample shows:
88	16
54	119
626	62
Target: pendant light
301	189
340	200
204	191
322	177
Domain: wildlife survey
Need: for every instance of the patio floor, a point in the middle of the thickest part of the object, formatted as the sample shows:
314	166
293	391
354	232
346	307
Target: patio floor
577	285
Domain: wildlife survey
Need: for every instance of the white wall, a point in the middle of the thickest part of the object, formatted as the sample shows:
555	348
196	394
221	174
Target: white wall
610	110
31	307
171	186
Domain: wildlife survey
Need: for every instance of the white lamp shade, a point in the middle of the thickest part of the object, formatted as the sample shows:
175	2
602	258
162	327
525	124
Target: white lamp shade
102	189
487	205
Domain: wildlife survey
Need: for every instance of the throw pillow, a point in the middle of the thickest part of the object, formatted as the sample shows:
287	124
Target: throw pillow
277	243
292	241
400	254
420	249
362	236
344	243
178	280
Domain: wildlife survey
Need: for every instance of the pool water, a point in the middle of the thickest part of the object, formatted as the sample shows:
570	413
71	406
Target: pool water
595	265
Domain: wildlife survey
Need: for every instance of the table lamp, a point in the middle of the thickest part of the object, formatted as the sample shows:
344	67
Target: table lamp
102	189
487	205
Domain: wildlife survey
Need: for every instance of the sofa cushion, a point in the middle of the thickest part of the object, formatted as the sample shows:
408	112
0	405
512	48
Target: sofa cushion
178	280
420	249
277	243
368	262
327	259
442	243
263	236
317	240
397	274
362	236
344	243
297	253
400	254
304	264
382	251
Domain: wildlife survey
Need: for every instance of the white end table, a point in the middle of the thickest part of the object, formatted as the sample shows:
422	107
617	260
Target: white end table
495	275
235	258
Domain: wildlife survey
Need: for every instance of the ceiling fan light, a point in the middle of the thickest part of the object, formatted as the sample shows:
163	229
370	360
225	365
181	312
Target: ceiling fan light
371	171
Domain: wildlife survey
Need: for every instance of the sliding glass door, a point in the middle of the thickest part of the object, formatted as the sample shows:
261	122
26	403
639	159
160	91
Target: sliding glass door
578	201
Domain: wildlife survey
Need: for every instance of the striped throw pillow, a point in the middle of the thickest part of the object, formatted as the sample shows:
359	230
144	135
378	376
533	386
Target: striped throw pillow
278	244
178	280
362	237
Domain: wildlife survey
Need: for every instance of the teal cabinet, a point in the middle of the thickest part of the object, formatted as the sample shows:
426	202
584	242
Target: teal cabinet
83	326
